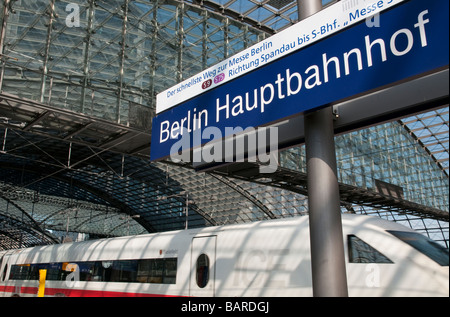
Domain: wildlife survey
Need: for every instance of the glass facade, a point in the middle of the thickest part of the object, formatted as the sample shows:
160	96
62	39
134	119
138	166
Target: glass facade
108	59
384	153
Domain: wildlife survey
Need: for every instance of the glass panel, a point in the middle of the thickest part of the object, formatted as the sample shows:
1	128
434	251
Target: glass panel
202	275
94	62
361	252
157	269
124	271
5	270
143	272
19	272
433	250
170	272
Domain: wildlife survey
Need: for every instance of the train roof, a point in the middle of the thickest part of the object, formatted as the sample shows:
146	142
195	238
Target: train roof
130	242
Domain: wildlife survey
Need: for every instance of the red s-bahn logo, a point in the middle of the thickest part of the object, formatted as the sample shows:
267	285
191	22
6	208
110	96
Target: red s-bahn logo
207	84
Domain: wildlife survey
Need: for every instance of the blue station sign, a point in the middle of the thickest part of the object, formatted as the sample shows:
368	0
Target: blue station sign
409	40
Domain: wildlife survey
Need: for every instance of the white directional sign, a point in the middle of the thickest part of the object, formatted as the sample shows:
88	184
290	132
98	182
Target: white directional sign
324	23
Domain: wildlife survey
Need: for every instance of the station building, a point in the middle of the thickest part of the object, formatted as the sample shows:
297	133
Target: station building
78	85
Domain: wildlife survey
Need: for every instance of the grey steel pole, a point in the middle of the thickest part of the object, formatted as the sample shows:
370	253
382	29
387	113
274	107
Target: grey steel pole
327	245
308	7
2	41
187	210
47	50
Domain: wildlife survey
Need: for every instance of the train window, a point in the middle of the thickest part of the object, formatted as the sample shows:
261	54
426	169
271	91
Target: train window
4	272
19	272
144	271
170	271
160	271
430	248
202	270
124	271
1	262
33	273
361	252
53	271
156	271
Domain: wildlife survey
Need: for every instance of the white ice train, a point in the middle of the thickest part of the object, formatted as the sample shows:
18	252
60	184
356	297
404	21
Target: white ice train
269	258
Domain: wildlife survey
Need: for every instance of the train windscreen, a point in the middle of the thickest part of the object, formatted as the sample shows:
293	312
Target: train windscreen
430	248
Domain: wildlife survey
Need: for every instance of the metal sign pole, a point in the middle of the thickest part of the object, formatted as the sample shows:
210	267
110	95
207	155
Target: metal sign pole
327	249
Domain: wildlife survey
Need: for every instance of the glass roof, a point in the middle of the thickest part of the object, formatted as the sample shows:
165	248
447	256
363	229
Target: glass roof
430	129
274	14
106	60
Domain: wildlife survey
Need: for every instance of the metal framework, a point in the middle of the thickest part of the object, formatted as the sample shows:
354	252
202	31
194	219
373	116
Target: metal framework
78	80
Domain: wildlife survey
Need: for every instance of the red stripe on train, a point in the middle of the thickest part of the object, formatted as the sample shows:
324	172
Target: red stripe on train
75	292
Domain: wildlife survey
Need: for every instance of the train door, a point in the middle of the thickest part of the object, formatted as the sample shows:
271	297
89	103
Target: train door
4	268
3	273
203	266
